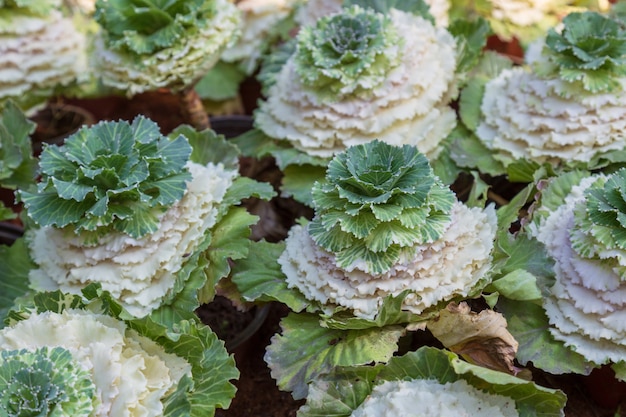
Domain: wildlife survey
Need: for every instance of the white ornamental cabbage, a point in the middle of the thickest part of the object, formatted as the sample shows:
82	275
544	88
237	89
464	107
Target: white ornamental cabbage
138	272
586	305
134	62
522	12
38	53
130	372
384	224
258	20
525	116
430	398
400	80
451	266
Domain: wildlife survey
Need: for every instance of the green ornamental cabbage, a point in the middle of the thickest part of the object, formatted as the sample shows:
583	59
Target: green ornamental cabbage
591	49
378	201
601	222
111	176
347	53
44	382
146	45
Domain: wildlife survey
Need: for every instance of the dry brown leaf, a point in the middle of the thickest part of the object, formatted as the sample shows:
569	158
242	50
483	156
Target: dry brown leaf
480	338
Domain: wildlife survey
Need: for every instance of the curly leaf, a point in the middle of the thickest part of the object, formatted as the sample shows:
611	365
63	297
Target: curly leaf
111	176
590	49
346	53
376	201
44	382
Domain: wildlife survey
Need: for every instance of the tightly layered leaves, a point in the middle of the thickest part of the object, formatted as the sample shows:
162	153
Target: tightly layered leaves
590	49
45	381
377	201
40	51
146	45
347	53
579	224
601	222
111	176
525	116
400	96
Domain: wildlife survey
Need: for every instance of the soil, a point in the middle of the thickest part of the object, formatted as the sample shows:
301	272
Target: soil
258	395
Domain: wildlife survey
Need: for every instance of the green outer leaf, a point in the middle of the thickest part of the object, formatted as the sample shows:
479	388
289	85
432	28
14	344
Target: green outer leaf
305	350
221	82
259	277
348	387
471	37
13	275
208	146
338	394
417	7
18	167
298	180
529	324
518	285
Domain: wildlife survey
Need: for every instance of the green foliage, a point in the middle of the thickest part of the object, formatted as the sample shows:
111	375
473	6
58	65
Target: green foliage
37	7
601	219
471	37
376	201
346	53
590	49
18	167
44	382
13	275
147	26
110	176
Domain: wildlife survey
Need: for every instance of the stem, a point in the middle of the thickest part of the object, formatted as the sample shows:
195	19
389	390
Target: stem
193	109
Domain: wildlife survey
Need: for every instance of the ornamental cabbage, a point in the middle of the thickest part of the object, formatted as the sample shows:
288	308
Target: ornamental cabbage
528	117
259	19
430	398
584	234
144	46
150	218
589	49
384	224
428	382
41	50
111	176
45	382
71	356
361	75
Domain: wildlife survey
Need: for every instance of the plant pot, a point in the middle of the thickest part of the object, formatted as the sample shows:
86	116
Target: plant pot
56	122
9	232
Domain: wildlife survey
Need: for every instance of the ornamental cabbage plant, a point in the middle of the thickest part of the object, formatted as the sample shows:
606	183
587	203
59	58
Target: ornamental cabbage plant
361	75
149	217
579	222
144	46
41	51
389	246
430	383
565	108
71	355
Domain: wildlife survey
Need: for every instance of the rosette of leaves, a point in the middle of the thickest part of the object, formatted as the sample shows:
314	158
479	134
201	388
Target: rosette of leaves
574	259
41	52
17	165
44	381
146	45
347	53
111	176
389	246
83	355
444	384
154	219
589	50
376	202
